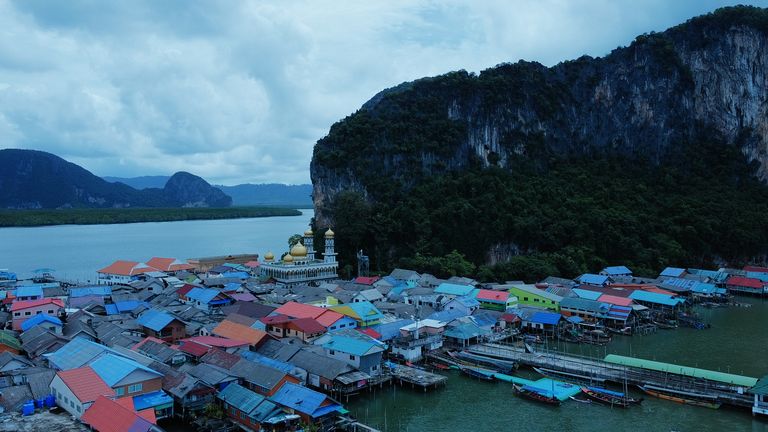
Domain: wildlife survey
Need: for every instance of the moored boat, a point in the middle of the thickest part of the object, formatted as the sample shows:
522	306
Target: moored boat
482	374
536	394
683	397
609	397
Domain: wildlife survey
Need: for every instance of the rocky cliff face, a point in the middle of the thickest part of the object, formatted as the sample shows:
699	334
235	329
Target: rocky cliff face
704	77
35	179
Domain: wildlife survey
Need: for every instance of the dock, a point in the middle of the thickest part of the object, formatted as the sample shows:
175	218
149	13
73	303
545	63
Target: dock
417	378
583	368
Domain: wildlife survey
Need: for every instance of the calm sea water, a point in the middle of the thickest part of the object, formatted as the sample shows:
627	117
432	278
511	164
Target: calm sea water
77	251
737	342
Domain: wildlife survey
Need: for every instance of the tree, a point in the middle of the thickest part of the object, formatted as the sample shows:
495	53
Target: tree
292	240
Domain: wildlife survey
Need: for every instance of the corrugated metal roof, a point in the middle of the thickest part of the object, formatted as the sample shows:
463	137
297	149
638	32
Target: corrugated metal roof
203	295
587	294
615	300
722	377
108	415
593	279
150	400
113	368
155	319
85	384
466	331
29	291
39	319
304	400
546	318
672	272
352	342
98	290
241	398
652	297
617	270
531	289
454	289
583	304
76	353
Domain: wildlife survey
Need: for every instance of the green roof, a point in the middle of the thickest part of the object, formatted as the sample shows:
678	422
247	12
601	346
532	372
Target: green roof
761	388
8	338
722	377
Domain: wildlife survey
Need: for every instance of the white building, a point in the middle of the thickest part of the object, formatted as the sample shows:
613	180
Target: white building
300	266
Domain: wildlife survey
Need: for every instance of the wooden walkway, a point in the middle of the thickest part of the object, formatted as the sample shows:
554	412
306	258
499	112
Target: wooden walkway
416	377
599	370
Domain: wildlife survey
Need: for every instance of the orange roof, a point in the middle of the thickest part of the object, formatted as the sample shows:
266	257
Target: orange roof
231	330
300	310
659	291
106	415
169	264
127	268
615	300
85	384
329	317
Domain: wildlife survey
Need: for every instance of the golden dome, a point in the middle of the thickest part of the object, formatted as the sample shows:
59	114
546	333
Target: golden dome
288	258
269	256
329	233
299	250
308	233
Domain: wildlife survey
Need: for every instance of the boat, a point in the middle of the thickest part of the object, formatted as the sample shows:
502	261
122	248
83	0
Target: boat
535	339
609	397
626	331
536	394
503	366
666	325
478	373
596	337
683	397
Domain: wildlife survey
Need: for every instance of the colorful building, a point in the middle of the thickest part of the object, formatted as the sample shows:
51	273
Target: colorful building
529	295
495	300
77	389
364	313
162	325
26	309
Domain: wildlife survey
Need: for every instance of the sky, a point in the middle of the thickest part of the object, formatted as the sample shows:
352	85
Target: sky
240	91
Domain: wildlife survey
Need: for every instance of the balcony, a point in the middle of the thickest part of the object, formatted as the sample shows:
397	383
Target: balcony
412	342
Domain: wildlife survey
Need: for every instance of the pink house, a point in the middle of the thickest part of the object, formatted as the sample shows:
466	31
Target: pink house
25	309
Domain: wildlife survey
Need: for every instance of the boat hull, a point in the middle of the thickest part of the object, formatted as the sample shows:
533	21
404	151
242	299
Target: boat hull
682	399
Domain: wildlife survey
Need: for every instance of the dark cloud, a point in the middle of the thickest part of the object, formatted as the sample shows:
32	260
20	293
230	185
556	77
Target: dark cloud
239	91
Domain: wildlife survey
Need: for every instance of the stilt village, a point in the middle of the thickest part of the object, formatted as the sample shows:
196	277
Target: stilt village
281	343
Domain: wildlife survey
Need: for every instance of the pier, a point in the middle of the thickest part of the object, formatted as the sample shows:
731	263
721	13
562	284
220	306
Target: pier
417	378
585	369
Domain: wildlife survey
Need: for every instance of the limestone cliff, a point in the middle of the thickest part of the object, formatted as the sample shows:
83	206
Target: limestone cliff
706	76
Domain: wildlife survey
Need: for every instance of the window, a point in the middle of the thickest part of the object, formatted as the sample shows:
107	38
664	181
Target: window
342	325
242	415
79	408
351	357
50	311
27	313
135	388
331	352
119	391
17	314
525	298
38	312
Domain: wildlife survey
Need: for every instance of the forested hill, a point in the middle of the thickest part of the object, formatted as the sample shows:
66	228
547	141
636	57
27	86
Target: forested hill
32	179
651	155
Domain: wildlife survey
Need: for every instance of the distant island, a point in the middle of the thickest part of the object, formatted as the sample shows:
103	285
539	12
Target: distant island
248	194
19	218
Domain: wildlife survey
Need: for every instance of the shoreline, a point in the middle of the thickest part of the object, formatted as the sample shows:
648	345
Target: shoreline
62	217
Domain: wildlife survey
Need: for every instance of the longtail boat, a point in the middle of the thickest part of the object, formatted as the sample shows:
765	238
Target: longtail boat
536	394
682	397
609	397
482	374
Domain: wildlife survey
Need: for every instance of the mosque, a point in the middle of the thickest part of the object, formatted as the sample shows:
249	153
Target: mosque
300	266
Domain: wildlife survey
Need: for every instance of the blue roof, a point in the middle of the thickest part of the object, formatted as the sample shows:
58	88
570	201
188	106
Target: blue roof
672	272
99	290
454	289
241	398
467	301
366	310
155	319
235	275
762	277
39	319
548	318
389	331
617	270
620	313
29	291
447	315
150	400
7	275
587	294
683	284
575	319
203	295
232	286
707	288
123	306
275	364
593	279
76	353
465	331
716	276
113	368
352	343
304	400
484	319
652	297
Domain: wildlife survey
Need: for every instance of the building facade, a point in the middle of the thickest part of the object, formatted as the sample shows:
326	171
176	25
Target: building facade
300	266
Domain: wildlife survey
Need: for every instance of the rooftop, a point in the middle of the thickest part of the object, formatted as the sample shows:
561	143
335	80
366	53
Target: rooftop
85	384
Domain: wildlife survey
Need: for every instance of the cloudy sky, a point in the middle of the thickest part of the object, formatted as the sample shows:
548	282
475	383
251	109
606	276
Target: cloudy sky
239	91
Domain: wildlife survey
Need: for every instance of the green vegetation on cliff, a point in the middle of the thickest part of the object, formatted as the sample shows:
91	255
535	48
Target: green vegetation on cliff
9	218
703	207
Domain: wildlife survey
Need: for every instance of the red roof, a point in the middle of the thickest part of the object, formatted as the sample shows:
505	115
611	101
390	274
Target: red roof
275	319
306	325
756	269
733	280
85	384
329	317
615	300
213	341
658	291
127	268
300	310
26	304
240	332
106	415
510	318
495	296
252	264
181	292
169	264
366	280
194	348
370	332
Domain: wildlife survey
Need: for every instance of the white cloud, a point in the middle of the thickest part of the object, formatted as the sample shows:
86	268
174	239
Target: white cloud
240	91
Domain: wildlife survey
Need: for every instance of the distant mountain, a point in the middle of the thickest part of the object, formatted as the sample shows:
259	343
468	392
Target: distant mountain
247	194
143	182
35	179
270	194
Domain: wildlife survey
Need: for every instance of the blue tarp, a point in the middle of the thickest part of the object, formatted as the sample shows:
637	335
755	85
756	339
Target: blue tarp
546	318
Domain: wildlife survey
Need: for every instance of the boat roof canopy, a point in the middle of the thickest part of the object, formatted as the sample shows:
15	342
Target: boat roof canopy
722	377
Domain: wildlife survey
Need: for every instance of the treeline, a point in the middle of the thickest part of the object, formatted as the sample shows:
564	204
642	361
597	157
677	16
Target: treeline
11	218
701	207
